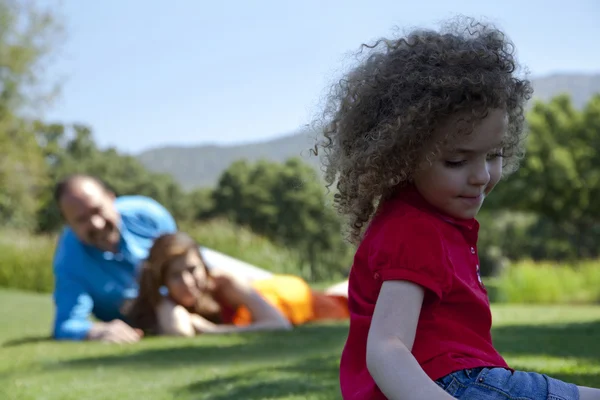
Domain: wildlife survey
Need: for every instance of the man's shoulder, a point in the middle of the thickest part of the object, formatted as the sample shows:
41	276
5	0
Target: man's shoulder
138	203
144	215
141	206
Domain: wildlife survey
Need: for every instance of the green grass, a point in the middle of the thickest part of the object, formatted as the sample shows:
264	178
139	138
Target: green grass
302	364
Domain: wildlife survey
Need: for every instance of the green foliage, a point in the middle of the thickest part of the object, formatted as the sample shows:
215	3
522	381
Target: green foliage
547	283
243	244
71	149
510	236
288	204
26	261
29	36
199	204
560	175
23	174
27	39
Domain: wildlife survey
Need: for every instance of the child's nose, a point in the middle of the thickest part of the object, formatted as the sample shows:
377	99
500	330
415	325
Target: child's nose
480	176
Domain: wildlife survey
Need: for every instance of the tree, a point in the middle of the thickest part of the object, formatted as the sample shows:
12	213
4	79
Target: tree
286	203
72	149
27	39
560	175
230	196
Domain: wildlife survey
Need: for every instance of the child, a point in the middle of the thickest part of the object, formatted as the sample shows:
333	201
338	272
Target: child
417	136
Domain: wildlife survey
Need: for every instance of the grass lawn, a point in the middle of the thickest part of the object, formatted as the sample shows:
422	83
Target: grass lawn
562	341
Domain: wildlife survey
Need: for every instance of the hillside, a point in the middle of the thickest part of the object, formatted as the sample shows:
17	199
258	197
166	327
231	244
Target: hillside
200	166
580	87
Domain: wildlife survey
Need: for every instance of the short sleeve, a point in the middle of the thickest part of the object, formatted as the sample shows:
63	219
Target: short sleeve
411	249
148	218
166	222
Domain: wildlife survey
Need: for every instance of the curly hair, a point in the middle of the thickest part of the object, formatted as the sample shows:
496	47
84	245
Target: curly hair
382	116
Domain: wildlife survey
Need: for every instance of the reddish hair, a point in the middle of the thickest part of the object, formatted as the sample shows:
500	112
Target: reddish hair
167	248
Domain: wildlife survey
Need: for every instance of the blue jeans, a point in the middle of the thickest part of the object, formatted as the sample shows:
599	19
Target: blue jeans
502	384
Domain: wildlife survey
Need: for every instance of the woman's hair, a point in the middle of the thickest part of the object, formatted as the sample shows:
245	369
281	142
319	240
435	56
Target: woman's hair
381	118
167	248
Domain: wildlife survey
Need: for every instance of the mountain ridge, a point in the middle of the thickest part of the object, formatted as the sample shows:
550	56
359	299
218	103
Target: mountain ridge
196	166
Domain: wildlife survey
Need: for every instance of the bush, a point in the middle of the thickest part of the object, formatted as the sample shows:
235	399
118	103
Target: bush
547	283
514	236
246	245
243	244
26	261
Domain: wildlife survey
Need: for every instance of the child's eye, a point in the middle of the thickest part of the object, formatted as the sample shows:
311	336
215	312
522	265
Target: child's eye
454	164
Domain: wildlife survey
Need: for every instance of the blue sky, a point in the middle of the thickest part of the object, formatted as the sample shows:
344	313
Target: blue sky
149	73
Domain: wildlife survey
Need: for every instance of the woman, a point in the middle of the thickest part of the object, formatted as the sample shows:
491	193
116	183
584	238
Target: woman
180	296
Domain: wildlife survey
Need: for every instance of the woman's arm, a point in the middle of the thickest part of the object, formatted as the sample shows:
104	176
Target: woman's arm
389	344
202	325
174	320
239	293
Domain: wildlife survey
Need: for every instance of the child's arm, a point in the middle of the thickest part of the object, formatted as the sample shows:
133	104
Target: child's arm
391	337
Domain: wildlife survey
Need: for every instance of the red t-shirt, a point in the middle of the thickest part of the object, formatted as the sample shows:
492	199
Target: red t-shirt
409	240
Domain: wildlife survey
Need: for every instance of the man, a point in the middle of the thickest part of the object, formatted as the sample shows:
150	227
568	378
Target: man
98	255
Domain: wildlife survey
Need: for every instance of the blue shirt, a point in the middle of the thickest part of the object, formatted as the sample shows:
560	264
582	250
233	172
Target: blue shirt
89	281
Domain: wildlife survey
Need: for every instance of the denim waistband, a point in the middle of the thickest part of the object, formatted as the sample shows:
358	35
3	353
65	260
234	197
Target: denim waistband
463	376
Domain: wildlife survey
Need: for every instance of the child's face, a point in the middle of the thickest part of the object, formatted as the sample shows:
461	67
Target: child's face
457	181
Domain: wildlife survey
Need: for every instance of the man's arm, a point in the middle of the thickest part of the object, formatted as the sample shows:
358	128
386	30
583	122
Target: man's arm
73	308
73	304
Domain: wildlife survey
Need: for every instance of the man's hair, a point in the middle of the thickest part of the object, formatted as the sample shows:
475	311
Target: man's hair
64	184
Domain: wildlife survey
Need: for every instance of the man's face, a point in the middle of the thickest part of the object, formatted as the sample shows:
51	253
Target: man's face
90	211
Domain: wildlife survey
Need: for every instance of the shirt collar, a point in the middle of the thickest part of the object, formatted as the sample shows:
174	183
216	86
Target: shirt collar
410	195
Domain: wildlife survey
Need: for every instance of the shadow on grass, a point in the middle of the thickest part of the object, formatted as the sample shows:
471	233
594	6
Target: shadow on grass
257	347
579	340
312	377
305	362
27	340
